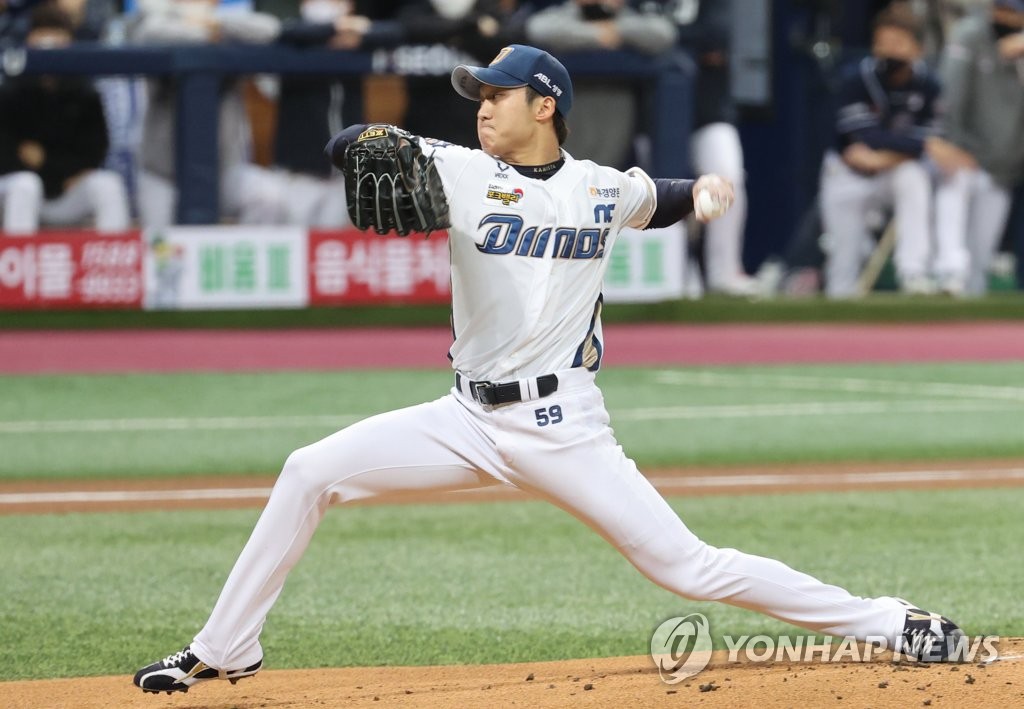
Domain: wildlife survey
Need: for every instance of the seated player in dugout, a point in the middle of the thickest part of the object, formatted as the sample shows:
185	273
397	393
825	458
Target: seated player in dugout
982	156
53	141
886	120
529	227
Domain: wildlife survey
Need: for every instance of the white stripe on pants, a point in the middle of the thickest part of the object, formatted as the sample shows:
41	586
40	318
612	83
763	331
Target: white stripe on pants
453	443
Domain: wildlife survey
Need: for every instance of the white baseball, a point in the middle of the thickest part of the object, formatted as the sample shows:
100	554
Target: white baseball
709	205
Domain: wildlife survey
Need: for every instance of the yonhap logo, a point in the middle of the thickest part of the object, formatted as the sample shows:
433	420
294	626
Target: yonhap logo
681	647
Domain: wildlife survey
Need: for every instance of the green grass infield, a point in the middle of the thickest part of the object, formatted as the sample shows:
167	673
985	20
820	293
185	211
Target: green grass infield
154	425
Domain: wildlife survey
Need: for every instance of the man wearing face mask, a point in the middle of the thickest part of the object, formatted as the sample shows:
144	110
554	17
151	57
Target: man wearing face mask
982	73
53	139
886	114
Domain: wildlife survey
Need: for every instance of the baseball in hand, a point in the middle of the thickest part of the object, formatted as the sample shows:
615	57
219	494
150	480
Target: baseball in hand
713	198
708	205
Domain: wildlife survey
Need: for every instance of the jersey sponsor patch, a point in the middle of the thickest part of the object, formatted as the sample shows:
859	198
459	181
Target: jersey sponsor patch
500	194
604	192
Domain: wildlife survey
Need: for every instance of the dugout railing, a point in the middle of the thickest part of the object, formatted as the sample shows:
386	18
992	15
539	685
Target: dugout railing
199	71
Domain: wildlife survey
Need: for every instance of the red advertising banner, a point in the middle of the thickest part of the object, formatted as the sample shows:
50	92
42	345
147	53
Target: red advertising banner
75	269
356	267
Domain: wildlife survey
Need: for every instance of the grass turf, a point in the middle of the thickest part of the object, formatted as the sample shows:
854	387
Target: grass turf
154	425
89	594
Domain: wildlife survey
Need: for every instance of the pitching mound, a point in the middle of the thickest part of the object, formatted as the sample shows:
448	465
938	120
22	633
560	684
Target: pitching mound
607	682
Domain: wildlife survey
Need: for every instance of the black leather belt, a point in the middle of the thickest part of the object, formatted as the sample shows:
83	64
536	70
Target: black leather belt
509	393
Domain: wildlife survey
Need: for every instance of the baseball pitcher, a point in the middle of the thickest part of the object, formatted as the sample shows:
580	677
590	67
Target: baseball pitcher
530	229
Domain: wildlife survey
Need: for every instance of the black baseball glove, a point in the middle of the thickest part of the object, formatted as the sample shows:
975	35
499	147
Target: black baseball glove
391	185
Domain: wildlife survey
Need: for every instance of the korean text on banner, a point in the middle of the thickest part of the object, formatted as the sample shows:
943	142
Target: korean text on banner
72	270
351	266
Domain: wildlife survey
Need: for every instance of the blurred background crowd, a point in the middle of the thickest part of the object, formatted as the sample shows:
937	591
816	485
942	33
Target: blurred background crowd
916	127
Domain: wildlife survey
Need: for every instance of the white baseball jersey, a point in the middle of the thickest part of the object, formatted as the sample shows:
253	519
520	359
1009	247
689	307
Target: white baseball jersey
529	257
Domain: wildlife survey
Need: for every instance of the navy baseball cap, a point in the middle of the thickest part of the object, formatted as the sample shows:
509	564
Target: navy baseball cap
518	65
1016	5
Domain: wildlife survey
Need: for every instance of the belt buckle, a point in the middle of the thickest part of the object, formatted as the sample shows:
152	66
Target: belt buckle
478	391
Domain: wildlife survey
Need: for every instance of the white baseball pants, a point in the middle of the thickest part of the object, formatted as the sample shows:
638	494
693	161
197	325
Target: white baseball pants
252	194
971	210
98	194
21	194
315	202
454	443
716	148
848	197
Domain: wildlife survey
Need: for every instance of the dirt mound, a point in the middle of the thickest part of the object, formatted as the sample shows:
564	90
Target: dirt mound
606	682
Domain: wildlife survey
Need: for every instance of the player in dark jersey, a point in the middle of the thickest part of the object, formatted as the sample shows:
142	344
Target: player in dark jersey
886	115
